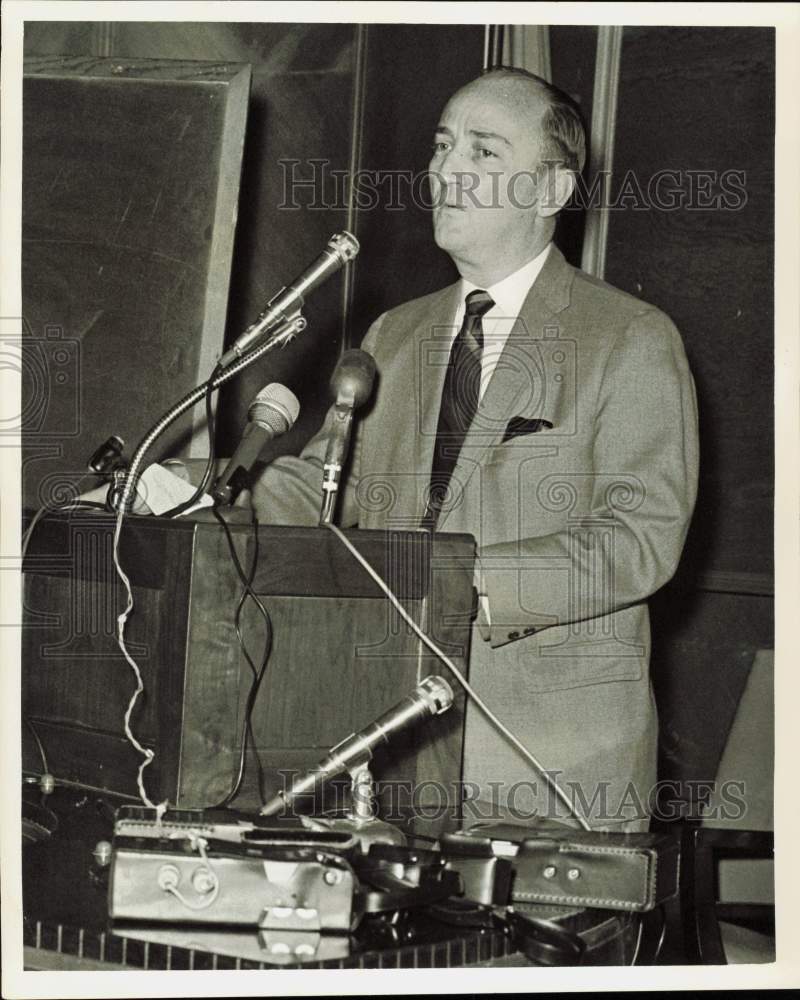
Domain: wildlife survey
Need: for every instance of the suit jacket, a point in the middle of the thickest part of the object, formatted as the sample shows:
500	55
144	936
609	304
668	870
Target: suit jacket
577	478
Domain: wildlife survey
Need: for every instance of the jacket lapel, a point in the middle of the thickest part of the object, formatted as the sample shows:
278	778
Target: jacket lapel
412	378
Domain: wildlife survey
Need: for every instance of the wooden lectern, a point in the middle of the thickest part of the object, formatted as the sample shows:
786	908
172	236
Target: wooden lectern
341	655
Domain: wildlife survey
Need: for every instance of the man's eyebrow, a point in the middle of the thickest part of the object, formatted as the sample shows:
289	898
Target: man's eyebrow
489	135
478	133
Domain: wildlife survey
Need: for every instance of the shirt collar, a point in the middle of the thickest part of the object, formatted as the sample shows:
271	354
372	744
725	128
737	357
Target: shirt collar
511	291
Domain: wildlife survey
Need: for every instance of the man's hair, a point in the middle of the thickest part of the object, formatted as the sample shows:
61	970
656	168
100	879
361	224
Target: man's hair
562	122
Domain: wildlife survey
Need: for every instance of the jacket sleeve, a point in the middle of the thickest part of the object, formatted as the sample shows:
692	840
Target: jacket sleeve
289	490
629	544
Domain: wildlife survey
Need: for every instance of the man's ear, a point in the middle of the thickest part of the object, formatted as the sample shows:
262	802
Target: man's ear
559	183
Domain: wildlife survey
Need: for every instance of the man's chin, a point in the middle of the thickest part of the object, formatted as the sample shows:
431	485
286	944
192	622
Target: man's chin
446	238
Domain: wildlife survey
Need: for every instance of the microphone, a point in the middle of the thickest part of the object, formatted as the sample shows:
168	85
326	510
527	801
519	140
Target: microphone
272	412
351	385
431	697
107	457
341	248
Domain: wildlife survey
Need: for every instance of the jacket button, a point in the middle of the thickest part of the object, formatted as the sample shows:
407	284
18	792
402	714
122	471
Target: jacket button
513	635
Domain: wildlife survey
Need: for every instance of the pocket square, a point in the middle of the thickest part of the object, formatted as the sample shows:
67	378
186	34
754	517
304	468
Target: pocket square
518	426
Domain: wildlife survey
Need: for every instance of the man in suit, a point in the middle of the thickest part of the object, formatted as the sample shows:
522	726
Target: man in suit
551	416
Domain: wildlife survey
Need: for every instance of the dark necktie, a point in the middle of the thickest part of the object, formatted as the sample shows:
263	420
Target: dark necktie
460	397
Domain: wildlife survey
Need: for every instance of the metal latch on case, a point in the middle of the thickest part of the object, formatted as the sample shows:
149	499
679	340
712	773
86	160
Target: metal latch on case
290	918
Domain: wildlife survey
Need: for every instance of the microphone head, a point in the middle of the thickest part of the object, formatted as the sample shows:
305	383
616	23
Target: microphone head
344	245
436	693
275	407
352	378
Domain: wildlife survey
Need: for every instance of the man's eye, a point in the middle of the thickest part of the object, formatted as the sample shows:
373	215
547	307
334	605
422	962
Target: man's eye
440	146
485	153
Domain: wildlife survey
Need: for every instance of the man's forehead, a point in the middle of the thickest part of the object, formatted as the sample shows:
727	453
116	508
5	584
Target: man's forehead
517	102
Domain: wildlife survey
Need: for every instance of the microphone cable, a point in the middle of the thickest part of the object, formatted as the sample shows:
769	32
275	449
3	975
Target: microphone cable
457	675
258	673
39	744
122	618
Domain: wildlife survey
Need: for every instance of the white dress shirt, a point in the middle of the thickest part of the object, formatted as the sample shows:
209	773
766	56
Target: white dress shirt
508	296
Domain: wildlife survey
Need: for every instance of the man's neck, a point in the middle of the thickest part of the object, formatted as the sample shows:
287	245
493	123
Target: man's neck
483	274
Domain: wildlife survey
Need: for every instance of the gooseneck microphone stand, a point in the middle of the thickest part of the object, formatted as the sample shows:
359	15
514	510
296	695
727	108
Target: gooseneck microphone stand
279	322
122	493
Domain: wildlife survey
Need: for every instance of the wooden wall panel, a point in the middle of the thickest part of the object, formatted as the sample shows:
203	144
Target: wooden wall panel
702	99
411	72
572	59
270	47
49	38
300	116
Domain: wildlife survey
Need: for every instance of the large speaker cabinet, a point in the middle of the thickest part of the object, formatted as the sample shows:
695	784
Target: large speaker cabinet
130	188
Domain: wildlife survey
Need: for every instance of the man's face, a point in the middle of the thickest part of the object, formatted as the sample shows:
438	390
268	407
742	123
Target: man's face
483	173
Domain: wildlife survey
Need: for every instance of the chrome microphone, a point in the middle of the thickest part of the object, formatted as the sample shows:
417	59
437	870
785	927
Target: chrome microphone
273	412
341	248
351	385
431	697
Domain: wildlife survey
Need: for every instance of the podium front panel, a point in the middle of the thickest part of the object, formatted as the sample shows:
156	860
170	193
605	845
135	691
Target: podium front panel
341	655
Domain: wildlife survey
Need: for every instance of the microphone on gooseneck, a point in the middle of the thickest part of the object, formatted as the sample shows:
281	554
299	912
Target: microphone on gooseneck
351	386
432	696
273	412
341	248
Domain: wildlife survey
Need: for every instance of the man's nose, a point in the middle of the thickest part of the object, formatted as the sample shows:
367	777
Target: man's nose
452	174
453	164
